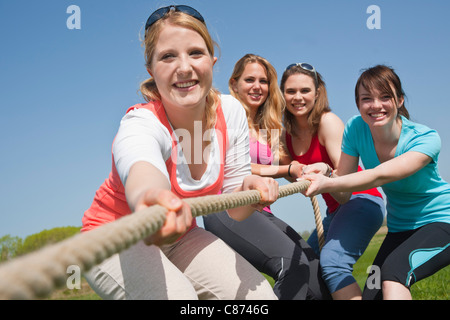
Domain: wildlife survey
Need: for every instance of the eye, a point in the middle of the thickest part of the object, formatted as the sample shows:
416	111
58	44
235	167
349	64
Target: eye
167	56
306	90
197	53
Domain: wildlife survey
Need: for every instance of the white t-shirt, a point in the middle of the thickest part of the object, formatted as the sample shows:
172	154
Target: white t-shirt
142	137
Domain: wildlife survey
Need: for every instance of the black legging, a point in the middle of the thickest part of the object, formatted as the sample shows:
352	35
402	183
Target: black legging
275	249
397	260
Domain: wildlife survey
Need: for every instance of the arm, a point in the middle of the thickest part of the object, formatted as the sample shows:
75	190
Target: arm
146	183
237	167
279	168
392	170
273	171
147	186
284	168
331	130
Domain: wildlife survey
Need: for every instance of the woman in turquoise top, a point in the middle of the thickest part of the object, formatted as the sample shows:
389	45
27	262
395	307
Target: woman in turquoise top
401	157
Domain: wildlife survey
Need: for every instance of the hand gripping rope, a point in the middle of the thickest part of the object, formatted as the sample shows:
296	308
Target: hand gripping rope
37	274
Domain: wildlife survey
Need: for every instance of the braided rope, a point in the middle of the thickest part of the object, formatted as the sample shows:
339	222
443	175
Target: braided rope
38	273
318	221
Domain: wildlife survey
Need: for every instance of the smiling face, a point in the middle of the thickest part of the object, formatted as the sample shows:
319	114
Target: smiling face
252	87
378	108
182	68
300	94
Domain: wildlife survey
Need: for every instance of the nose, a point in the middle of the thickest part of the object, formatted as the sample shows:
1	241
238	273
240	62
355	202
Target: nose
377	104
298	96
256	86
184	66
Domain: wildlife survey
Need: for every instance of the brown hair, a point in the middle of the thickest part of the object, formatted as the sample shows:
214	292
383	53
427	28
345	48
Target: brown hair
385	80
148	87
321	104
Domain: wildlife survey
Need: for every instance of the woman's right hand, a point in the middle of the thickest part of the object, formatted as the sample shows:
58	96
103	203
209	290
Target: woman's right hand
178	216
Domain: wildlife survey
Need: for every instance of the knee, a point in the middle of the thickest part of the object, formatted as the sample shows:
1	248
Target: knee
337	269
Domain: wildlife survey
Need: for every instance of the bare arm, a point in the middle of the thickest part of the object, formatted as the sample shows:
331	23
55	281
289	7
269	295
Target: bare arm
330	135
282	169
273	171
392	170
146	186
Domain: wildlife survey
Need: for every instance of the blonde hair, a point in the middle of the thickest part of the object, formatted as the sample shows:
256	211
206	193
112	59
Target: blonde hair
321	105
269	114
148	87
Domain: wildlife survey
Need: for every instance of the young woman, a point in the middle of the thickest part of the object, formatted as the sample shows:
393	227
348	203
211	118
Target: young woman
401	156
314	134
184	119
266	241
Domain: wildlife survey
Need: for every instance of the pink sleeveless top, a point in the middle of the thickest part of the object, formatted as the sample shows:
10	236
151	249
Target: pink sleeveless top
260	154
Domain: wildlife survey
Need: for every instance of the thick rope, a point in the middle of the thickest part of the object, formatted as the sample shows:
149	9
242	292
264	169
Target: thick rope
37	274
318	221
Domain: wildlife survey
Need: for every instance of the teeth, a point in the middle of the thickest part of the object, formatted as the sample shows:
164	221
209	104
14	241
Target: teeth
185	84
377	115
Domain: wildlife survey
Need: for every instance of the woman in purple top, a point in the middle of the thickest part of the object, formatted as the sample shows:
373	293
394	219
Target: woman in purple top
267	242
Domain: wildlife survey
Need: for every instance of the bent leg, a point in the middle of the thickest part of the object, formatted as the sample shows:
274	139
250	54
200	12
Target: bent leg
351	229
215	270
423	253
139	273
271	247
410	256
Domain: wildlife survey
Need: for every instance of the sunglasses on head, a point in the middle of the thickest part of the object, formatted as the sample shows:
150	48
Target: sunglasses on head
304	66
161	12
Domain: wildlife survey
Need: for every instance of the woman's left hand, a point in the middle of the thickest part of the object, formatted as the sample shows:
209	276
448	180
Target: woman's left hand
318	167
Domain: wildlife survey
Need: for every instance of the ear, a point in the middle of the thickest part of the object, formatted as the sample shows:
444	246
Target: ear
150	72
234	85
401	101
214	60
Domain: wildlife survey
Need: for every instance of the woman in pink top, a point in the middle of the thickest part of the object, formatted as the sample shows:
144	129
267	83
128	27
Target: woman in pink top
314	134
266	241
152	165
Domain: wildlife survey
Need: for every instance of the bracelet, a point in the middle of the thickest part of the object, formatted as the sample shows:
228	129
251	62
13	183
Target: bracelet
329	171
289	170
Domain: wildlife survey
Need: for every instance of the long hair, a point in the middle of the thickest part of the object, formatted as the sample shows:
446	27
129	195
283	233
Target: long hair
269	114
148	87
321	104
385	80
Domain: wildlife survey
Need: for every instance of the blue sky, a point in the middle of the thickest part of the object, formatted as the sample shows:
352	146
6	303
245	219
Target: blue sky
64	91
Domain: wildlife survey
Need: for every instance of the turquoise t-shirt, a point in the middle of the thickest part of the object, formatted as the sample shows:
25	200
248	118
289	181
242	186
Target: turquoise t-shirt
417	200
